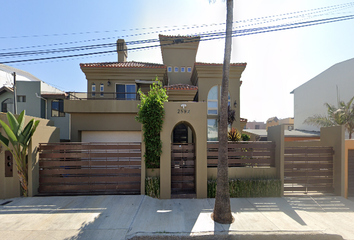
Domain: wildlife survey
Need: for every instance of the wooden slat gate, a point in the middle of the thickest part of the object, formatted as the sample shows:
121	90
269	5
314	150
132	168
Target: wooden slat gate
89	168
183	168
308	170
350	173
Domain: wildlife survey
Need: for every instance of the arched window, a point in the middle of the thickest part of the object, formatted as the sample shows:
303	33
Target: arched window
213	101
214	97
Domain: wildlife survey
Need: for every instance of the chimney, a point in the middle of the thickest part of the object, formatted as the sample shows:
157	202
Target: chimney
122	50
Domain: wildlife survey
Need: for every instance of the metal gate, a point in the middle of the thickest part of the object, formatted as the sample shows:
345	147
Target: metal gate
182	169
89	168
308	170
350	173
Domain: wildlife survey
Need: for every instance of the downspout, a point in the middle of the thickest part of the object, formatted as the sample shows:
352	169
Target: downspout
46	104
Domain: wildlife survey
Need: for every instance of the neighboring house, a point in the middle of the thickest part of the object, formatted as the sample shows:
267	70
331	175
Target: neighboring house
38	98
335	83
255	125
287	122
108	109
289	135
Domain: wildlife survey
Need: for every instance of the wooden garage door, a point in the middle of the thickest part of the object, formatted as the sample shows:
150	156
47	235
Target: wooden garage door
89	168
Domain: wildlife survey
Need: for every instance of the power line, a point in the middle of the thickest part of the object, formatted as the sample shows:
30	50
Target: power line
266	19
108	45
208	37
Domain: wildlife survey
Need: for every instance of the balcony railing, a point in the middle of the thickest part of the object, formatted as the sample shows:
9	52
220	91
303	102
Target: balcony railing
102	96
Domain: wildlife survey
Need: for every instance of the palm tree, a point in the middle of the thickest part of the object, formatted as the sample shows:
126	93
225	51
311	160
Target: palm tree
341	115
19	137
222	209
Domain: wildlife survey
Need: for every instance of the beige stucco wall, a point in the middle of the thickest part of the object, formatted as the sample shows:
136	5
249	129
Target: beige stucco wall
102	75
102	122
349	145
10	186
196	119
208	76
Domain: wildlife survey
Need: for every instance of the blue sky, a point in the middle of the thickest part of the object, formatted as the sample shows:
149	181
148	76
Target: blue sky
278	62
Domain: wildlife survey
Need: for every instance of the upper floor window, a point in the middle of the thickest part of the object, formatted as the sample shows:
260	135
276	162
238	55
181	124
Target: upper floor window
176	69
169	69
101	89
214	97
126	91
58	108
189	69
183	69
93	90
21	98
213	101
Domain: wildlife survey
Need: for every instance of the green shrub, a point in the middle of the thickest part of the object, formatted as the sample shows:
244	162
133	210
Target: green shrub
152	187
151	114
242	188
245	137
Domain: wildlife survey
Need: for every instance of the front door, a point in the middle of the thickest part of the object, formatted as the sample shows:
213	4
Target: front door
182	169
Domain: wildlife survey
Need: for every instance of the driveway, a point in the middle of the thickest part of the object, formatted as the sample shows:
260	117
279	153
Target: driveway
126	217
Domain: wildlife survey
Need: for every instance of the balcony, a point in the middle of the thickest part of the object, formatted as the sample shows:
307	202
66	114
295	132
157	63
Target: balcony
105	102
102	96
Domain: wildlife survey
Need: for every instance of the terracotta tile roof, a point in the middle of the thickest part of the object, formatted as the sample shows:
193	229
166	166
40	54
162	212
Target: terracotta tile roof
181	87
123	65
243	120
218	64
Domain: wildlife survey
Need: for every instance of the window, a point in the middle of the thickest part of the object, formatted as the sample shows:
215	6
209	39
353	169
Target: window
58	108
93	90
169	69
213	101
189	69
257	126
7	105
126	91
183	69
176	69
214	97
212	130
101	89
21	98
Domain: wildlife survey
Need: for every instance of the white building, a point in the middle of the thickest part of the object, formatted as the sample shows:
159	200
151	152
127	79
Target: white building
337	82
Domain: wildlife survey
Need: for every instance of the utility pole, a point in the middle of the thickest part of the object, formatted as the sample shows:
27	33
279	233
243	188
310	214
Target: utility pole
15	93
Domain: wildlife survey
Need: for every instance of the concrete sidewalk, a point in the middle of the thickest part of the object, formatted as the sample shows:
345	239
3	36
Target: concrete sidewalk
126	217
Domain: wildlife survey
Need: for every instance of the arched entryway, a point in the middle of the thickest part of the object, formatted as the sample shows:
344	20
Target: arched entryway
183	160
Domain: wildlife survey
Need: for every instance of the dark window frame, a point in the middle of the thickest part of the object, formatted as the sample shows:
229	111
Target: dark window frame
57	111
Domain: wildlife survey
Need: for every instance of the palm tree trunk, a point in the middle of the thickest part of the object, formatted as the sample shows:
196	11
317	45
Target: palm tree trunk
222	209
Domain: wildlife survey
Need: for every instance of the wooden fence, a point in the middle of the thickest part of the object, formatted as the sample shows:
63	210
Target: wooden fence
308	169
244	154
89	168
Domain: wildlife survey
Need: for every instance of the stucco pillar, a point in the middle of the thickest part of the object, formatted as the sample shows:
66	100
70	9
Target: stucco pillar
276	135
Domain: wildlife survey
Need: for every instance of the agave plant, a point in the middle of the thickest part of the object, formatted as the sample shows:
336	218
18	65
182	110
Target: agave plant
341	115
19	137
234	135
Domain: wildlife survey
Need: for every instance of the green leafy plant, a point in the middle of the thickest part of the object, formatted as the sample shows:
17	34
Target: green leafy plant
152	187
19	137
234	135
343	114
242	188
151	114
245	137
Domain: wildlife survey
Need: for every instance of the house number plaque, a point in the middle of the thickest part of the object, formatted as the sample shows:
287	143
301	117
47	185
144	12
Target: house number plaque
183	111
